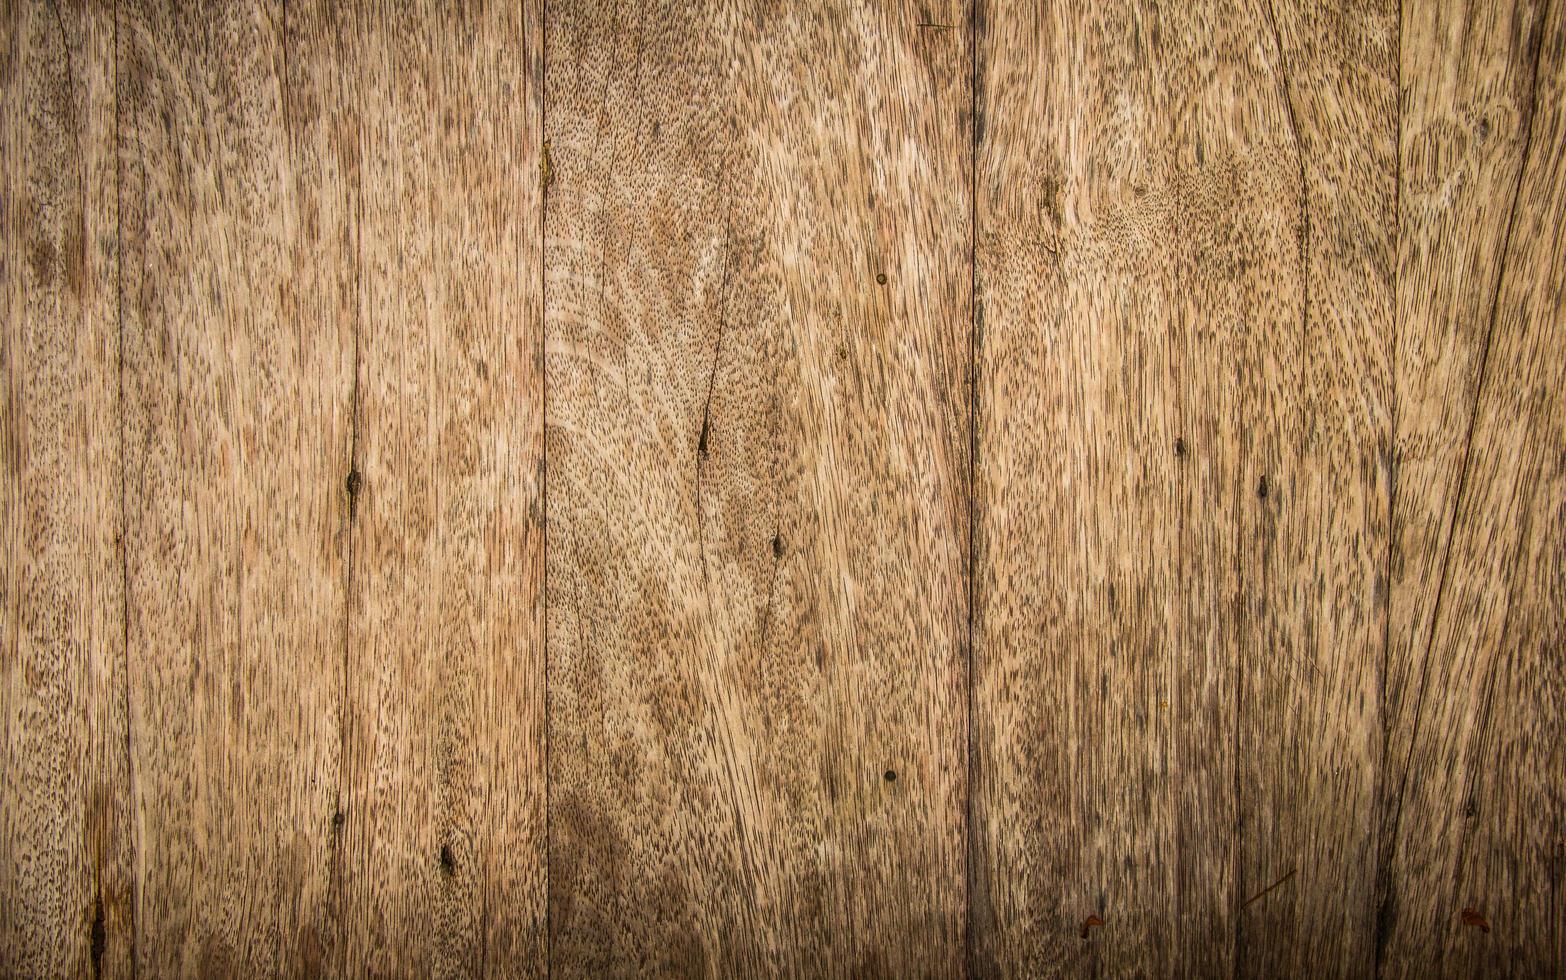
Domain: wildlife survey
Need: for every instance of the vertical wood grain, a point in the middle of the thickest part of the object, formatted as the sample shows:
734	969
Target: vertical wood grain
238	371
66	889
757	339
443	873
1311	621
1475	799
1141	289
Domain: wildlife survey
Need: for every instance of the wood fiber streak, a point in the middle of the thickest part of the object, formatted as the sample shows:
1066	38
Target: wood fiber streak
757	249
1184	298
1476	784
65	836
238	360
442	853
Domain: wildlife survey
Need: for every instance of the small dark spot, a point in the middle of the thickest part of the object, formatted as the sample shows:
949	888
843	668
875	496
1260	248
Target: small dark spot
701	443
353	482
1471	810
891	775
842	352
448	862
99	938
777	546
1473	917
1089	923
1179	447
1484	127
880	278
338	819
1261	488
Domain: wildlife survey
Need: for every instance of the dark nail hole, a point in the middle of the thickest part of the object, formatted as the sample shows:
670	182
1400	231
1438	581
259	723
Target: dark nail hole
701	444
777	546
1471	810
100	938
1261	488
1484	128
891	775
353	482
880	278
448	863
338	819
1089	923
1179	447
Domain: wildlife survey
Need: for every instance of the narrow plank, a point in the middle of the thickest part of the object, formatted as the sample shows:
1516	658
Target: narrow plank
445	846
1312	627
1139	282
757	328
238	372
65	872
1476	804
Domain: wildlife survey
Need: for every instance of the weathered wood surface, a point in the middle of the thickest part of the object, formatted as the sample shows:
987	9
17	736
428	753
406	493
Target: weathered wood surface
842	489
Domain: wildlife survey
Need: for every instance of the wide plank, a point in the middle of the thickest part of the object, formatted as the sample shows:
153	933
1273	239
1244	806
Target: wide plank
66	845
443	867
1475	798
238	348
758	329
1142	275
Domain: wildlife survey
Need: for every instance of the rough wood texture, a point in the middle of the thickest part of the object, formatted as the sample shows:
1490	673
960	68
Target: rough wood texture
885	488
1475	814
757	256
442	872
65	837
237	377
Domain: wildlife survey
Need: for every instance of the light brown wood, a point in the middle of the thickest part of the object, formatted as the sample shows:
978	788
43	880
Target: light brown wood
1310	629
65	835
875	488
238	373
1184	287
1475	817
442	864
757	255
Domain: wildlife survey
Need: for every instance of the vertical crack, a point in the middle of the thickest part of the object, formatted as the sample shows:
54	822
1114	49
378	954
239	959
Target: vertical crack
971	868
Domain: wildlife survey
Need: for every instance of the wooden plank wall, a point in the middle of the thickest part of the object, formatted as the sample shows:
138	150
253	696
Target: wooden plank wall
870	488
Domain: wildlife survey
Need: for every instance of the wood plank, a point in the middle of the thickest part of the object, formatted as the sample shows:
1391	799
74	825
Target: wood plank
444	872
238	375
66	857
1142	379
1477	776
757	333
1312	626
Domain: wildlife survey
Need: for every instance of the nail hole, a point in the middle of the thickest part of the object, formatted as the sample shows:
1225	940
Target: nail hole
448	863
353	482
1261	488
777	546
1179	447
891	775
338	819
701	444
880	278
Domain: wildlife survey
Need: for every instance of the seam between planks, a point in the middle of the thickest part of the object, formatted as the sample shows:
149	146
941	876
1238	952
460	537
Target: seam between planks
975	25
543	177
119	314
